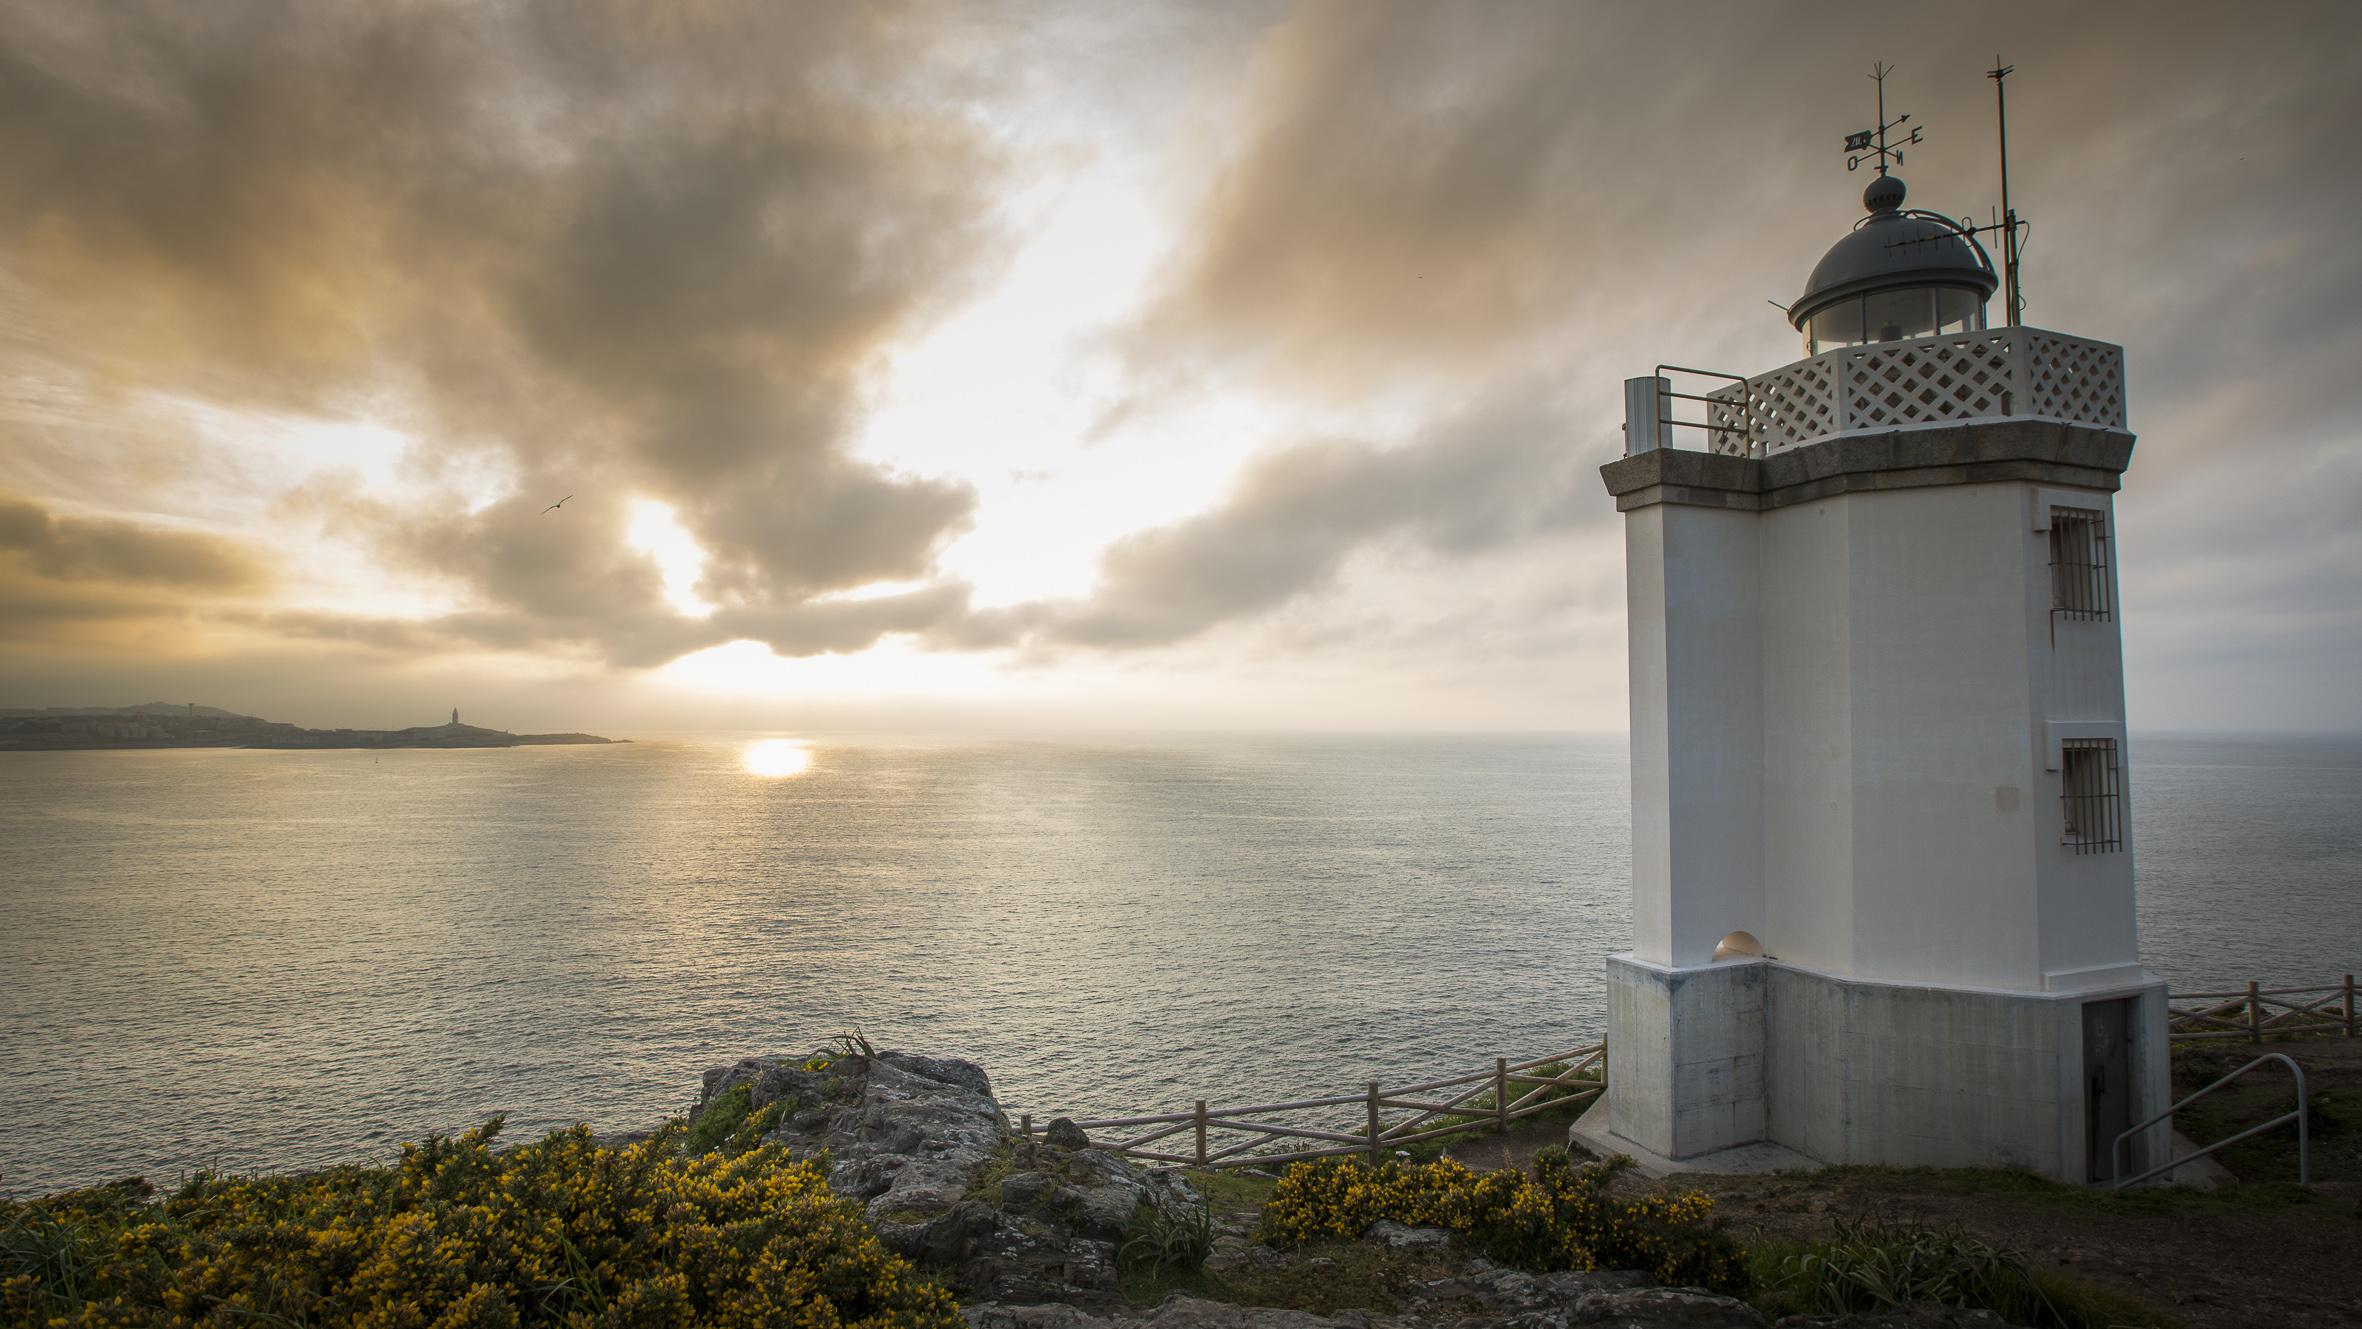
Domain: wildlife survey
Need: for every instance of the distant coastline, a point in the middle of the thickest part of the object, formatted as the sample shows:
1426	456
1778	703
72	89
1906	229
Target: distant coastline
160	724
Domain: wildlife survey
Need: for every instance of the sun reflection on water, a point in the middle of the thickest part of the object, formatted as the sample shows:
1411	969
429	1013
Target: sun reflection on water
776	758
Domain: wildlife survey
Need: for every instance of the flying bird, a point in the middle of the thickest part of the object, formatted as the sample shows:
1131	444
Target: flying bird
555	506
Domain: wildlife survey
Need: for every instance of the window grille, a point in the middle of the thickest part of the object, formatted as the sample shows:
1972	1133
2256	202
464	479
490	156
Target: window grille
2078	563
2093	794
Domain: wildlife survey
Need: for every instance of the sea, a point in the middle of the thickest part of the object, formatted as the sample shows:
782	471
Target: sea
261	960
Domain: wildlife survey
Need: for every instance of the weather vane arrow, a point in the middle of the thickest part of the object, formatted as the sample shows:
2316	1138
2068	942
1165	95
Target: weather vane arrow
1861	147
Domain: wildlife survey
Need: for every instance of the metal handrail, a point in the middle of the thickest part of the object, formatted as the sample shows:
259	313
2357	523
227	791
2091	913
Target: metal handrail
1665	394
2304	1143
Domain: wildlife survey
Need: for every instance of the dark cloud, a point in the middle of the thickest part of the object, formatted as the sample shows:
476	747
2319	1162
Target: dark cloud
605	249
1427	187
1436	195
628	251
1497	477
71	549
70	582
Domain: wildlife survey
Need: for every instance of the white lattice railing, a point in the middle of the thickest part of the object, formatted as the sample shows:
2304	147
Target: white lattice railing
2023	372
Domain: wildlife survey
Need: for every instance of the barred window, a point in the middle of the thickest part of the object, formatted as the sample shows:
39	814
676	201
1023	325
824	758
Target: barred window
2078	563
2093	793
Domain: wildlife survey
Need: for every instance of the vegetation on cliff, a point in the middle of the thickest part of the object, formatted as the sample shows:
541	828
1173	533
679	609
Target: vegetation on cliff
1557	1216
558	1232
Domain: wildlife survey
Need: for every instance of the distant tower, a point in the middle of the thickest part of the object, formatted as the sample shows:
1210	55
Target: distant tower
455	715
1881	858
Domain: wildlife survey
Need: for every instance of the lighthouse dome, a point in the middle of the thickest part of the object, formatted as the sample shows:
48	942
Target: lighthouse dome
1899	274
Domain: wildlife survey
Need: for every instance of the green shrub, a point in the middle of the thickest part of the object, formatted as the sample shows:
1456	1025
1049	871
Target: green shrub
1559	1217
1871	1264
721	1118
556	1232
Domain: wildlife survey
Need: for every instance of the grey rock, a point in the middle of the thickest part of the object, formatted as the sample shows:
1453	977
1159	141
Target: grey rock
908	1145
1515	1292
1175	1187
1017	1267
1179	1311
993	1315
1397	1237
1233	1254
1663	1308
722	1079
910	1135
1649	1308
955	1234
1108	1210
1026	1189
865	1178
1110	1168
956	1071
1917	1315
786	1080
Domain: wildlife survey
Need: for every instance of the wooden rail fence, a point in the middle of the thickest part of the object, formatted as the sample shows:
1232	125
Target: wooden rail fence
2259	1011
1577	1078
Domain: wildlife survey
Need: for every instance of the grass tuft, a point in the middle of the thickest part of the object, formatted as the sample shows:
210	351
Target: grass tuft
1873	1264
1161	1243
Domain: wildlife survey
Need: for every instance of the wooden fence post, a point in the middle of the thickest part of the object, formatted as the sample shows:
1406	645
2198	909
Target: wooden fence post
1373	1123
1201	1132
1501	1094
1025	1126
2255	1013
2349	1005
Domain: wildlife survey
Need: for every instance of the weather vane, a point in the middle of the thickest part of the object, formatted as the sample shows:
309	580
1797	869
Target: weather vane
1871	143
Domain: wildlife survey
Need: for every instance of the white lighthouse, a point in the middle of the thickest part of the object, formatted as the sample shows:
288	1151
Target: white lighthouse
1882	866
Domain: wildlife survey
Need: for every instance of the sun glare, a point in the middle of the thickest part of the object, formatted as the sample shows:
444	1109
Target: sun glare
776	758
657	529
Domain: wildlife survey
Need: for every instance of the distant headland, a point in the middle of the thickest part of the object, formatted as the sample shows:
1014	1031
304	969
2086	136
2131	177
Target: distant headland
163	724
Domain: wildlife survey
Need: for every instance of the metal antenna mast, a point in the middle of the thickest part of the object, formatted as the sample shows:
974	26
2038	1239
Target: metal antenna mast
2009	217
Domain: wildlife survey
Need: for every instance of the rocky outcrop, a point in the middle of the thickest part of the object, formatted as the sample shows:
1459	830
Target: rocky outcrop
1026	1231
1553	1301
923	1144
1609	1308
1917	1315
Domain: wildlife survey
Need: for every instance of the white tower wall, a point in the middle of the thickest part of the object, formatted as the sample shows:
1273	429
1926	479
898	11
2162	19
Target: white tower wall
1697	739
1849	688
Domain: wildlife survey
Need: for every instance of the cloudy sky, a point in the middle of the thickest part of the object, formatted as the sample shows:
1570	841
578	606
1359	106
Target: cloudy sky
916	364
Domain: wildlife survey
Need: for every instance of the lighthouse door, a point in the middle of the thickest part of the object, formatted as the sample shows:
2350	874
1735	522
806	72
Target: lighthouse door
2107	1082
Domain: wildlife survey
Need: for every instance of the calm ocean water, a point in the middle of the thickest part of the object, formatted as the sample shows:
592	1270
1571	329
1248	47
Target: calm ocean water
280	959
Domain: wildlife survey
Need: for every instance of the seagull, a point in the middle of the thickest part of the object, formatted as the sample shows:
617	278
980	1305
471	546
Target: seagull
555	506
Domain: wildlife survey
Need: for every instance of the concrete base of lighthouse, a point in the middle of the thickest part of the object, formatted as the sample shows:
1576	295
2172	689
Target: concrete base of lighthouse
1708	1065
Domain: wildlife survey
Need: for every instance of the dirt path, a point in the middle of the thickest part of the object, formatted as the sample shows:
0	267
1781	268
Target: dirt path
2260	1255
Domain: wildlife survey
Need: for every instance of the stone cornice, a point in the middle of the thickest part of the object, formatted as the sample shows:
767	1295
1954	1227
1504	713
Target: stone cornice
2048	452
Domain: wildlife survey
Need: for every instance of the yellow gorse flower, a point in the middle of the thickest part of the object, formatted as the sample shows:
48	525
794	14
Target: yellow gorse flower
559	1232
1558	1217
